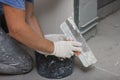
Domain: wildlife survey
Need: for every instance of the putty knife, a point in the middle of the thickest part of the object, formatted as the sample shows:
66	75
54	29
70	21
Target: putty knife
70	30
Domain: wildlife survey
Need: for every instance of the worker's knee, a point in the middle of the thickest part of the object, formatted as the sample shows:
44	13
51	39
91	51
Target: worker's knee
25	66
16	65
13	58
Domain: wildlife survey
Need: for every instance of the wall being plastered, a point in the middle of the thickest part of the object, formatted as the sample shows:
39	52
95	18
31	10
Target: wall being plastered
51	13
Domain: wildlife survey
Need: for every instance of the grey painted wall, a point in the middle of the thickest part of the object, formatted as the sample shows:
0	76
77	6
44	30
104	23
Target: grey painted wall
51	13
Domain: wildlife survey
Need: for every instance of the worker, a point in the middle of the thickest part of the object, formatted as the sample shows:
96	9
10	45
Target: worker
23	26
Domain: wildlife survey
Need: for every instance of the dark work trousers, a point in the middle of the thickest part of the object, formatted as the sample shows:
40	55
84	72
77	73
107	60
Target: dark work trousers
13	58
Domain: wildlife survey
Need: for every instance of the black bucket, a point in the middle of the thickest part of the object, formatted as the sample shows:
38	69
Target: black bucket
53	67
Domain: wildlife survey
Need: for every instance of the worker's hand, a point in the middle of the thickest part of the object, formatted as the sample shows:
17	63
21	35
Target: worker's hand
63	47
66	49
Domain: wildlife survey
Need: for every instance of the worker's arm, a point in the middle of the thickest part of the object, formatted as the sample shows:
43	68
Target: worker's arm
23	32
31	18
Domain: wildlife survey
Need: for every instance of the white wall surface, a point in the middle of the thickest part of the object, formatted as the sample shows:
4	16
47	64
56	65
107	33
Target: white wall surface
51	13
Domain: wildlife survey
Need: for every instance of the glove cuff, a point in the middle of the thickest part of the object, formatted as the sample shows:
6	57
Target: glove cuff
55	48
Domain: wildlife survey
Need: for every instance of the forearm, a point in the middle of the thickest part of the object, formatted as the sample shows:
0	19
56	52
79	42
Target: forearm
26	35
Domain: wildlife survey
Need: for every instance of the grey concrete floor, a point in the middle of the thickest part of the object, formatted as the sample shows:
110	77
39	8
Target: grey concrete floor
106	47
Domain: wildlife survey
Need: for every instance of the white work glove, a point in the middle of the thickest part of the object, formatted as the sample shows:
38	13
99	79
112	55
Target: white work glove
66	49
62	47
